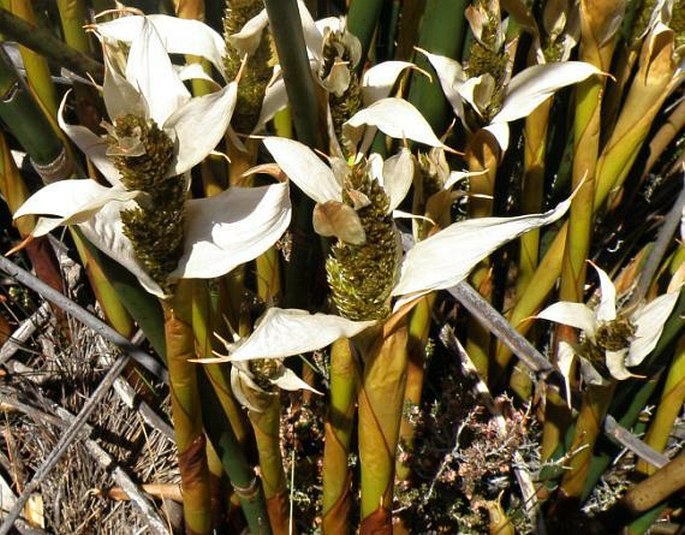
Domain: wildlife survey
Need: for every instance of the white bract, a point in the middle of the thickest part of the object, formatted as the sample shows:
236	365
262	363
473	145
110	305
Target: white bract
625	339
524	92
220	232
440	261
188	37
376	82
249	394
278	335
324	185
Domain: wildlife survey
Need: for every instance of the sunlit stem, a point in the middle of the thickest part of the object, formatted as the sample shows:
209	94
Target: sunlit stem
588	427
337	499
419	328
670	406
482	155
645	97
186	409
380	410
266	425
535	136
37	70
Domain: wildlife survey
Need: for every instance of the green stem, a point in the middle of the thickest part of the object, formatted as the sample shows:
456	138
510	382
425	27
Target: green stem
72	14
670	406
380	412
362	19
286	29
339	428
186	410
442	32
242	477
37	71
23	116
588	427
42	41
419	328
266	425
638	398
535	136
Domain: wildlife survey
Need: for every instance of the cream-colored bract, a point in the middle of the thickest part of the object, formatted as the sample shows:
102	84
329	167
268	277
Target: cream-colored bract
286	332
252	396
446	258
524	92
221	232
441	261
648	321
324	184
394	117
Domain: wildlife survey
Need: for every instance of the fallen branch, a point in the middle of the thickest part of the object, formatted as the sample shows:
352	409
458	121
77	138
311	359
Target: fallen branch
104	459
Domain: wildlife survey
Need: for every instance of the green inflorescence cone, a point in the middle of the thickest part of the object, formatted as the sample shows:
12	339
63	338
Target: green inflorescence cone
155	227
361	277
345	105
264	370
677	23
485	57
258	70
611	336
640	23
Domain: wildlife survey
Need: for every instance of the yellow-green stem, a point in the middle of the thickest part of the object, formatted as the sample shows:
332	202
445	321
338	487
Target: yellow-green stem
72	14
535	136
597	46
595	404
670	406
419	327
344	376
112	307
205	343
650	88
266	426
482	155
37	70
380	410
185	409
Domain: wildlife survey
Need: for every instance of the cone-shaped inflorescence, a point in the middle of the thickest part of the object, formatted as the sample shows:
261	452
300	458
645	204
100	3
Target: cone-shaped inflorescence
487	56
361	277
258	69
677	23
142	154
343	101
640	23
263	370
614	335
